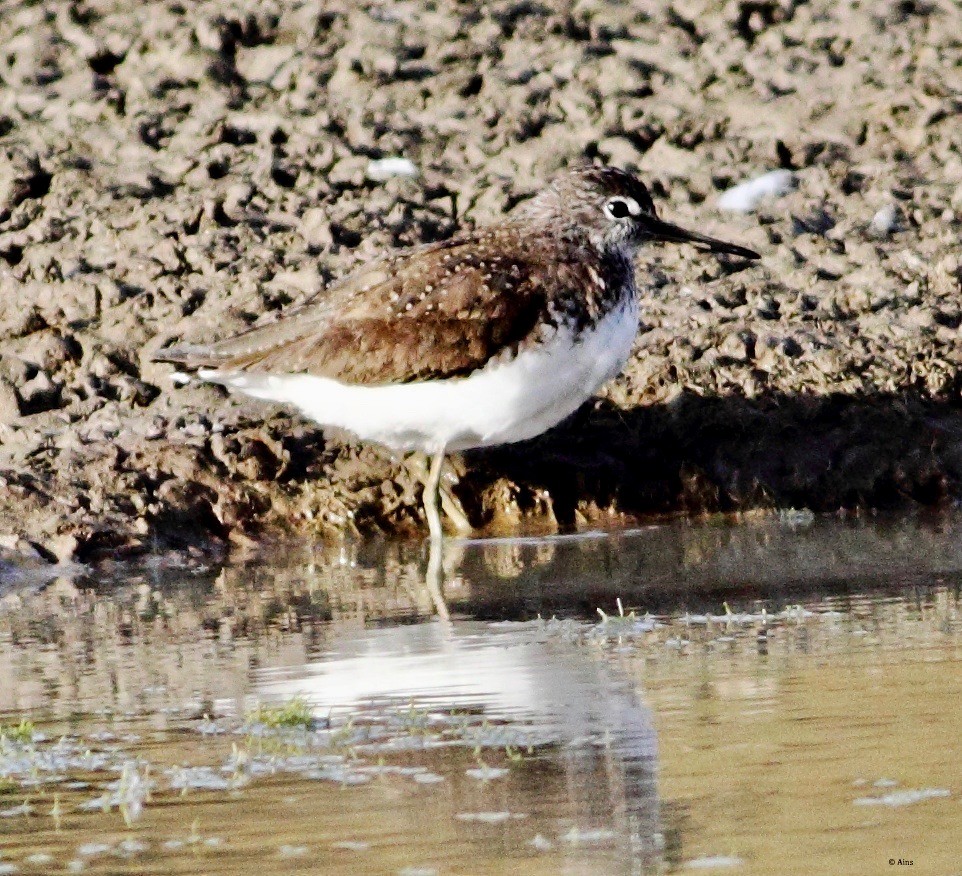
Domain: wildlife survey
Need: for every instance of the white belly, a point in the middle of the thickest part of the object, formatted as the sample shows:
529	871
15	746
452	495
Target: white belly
503	402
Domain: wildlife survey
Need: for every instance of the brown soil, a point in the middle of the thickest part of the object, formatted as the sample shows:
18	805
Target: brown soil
175	170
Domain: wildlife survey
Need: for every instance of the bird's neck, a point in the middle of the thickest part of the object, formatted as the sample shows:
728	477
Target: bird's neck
619	265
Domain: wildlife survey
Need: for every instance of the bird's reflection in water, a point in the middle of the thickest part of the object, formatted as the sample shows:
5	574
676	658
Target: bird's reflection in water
531	682
434	578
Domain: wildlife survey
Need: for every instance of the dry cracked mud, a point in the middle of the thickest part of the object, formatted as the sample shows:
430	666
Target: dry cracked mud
179	170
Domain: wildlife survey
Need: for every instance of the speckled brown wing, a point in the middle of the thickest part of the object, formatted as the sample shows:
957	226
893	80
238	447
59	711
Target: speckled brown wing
442	310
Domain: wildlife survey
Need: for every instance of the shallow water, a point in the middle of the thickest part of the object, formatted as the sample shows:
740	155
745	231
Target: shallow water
779	696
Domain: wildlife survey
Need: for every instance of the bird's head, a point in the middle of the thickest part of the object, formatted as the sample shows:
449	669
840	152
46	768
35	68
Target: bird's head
616	211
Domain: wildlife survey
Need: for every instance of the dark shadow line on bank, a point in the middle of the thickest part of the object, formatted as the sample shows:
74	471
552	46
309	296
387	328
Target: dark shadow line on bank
706	454
693	456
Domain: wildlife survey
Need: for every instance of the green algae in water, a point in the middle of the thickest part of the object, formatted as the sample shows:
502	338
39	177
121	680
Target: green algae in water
292	715
22	732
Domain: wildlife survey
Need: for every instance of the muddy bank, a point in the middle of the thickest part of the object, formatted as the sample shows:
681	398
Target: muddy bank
177	173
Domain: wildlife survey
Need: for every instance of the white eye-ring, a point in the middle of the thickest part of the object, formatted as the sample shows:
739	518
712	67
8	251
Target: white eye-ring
622	207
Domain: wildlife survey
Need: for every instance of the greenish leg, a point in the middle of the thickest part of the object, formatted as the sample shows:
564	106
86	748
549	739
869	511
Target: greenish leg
431	493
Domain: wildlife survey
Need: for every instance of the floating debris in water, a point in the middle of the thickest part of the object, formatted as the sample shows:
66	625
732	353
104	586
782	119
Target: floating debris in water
796	517
209	727
904	798
133	789
488	817
579	837
130	847
199	778
386	769
193	839
797	613
290	851
351	846
128	794
623	624
713	862
428	779
485	773
30	761
102	736
746	196
91	850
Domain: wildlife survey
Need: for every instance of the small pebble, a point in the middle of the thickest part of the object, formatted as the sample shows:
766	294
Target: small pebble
384	168
746	196
885	221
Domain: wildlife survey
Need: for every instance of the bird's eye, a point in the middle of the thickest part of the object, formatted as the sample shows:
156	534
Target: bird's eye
622	208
